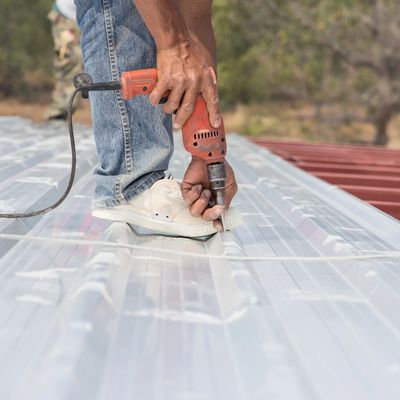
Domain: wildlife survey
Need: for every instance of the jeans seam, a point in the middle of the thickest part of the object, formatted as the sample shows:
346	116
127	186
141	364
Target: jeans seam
115	76
118	190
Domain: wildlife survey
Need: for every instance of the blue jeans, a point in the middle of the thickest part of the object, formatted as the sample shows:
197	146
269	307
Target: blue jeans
133	138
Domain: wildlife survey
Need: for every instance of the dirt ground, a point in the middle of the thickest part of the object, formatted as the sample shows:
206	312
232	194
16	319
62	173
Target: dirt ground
299	122
273	121
36	111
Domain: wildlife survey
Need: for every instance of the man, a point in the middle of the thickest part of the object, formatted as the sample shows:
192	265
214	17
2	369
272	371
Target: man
67	58
134	138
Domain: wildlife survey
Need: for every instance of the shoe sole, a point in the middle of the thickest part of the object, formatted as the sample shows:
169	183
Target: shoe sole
168	227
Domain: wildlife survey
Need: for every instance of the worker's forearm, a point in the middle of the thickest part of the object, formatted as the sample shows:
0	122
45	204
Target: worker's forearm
165	22
185	54
204	35
197	16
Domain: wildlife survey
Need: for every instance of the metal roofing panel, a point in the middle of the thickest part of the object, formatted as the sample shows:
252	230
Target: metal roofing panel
371	168
92	310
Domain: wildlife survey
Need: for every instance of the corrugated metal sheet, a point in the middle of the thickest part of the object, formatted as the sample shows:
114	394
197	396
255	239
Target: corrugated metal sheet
92	310
370	173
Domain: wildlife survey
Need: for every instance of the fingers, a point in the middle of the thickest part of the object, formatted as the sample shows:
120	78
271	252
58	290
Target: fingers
187	107
214	213
183	88
210	95
190	193
159	91
197	208
231	186
218	225
213	76
229	193
196	198
174	99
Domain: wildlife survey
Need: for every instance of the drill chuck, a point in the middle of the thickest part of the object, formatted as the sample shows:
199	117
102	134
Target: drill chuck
217	177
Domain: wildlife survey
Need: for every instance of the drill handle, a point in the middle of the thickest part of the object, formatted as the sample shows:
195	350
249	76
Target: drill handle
200	138
142	81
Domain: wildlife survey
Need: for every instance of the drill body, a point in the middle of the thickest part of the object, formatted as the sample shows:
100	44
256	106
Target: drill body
200	138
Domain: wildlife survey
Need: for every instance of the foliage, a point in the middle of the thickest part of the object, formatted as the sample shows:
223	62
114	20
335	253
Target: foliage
322	52
278	58
25	46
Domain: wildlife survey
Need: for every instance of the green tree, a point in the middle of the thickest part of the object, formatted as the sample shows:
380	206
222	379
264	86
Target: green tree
325	51
25	46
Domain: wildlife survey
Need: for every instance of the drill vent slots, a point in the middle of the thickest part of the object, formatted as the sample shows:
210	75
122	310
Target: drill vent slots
206	135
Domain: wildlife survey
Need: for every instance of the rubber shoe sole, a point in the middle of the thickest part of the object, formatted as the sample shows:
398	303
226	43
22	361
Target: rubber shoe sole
125	214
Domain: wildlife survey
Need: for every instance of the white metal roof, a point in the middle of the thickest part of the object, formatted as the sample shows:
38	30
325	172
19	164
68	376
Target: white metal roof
91	310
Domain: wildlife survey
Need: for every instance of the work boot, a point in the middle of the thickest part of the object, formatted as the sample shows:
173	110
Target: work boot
162	208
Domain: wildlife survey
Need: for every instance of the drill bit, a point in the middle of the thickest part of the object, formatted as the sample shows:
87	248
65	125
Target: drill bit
220	201
217	177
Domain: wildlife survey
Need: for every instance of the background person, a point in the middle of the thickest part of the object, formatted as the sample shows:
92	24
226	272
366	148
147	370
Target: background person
67	58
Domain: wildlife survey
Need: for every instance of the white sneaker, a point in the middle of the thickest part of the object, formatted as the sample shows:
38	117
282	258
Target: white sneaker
162	208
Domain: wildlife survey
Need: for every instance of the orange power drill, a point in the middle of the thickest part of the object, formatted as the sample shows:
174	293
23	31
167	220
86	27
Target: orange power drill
200	138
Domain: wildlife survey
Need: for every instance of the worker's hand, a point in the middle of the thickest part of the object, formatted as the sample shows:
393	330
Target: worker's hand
196	193
184	72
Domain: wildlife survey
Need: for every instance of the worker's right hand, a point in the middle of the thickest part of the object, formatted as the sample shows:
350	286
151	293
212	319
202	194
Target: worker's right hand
184	72
196	193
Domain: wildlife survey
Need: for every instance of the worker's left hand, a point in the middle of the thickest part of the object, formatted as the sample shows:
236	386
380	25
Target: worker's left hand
196	193
184	73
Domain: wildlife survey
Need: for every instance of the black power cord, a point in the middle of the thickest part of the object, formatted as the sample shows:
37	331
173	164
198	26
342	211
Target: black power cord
83	83
73	167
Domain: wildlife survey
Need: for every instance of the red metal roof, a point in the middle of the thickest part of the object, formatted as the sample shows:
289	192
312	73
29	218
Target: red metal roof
370	173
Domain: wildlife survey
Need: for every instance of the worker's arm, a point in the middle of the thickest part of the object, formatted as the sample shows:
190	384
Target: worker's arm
184	66
197	16
186	61
195	187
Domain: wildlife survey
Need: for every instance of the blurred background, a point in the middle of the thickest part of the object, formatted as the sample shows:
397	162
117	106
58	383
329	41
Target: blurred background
326	70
